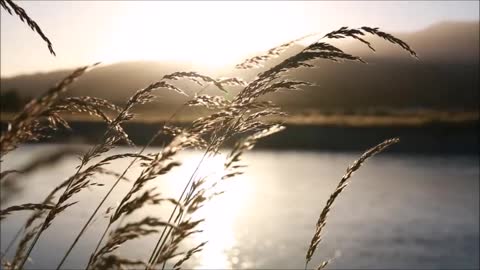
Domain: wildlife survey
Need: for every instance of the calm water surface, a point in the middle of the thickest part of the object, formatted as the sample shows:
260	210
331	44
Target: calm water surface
400	211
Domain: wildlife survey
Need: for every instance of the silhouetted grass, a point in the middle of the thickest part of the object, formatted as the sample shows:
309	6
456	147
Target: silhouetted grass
241	119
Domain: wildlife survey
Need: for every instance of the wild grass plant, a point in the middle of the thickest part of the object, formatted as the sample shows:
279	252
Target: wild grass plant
242	119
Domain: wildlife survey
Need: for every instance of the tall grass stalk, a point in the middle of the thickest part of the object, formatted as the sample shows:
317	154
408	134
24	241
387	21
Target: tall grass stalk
10	6
242	119
87	223
113	134
162	241
89	220
322	220
163	237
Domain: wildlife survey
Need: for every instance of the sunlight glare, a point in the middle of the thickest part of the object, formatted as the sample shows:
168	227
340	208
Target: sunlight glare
220	213
213	35
219	228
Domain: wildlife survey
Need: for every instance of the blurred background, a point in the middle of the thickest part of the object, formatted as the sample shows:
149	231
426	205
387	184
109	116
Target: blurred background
416	206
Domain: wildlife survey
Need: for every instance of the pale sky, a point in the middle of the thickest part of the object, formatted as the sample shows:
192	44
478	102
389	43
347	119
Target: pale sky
204	33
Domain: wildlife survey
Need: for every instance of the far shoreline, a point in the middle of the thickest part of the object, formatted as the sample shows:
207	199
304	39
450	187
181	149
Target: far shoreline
410	118
433	138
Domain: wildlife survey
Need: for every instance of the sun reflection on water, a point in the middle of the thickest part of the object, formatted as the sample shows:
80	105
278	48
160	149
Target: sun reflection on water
220	215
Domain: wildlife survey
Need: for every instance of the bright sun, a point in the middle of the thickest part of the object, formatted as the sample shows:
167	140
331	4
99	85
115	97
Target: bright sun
212	34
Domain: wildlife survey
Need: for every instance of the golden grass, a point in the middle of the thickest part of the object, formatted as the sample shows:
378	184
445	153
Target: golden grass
10	6
242	119
322	220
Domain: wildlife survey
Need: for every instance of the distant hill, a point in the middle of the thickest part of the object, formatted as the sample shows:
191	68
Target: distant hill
446	42
115	82
446	77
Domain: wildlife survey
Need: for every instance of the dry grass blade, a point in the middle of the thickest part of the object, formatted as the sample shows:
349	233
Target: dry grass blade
161	163
184	230
4	6
340	187
189	254
283	85
260	85
242	116
215	122
27	126
103	171
248	143
209	102
111	158
390	38
23	207
76	183
230	119
261	114
234	81
161	250
258	60
115	132
323	264
344	32
198	194
116	262
168	130
304	59
316	51
32	231
91	105
82	180
20	254
327	262
128	207
157	165
200	79
22	14
253	126
125	233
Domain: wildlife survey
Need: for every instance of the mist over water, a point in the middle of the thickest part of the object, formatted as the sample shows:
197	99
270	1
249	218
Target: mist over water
400	211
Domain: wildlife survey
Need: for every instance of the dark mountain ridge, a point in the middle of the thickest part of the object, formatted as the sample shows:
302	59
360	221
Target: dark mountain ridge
446	77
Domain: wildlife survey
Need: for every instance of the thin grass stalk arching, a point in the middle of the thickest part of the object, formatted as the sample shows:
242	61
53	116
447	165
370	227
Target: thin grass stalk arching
156	250
173	76
85	160
152	139
263	84
161	242
342	184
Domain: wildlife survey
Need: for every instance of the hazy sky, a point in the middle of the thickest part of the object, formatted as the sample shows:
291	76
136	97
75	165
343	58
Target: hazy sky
205	33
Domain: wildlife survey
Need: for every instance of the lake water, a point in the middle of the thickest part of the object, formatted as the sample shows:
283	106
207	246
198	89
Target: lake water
400	211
